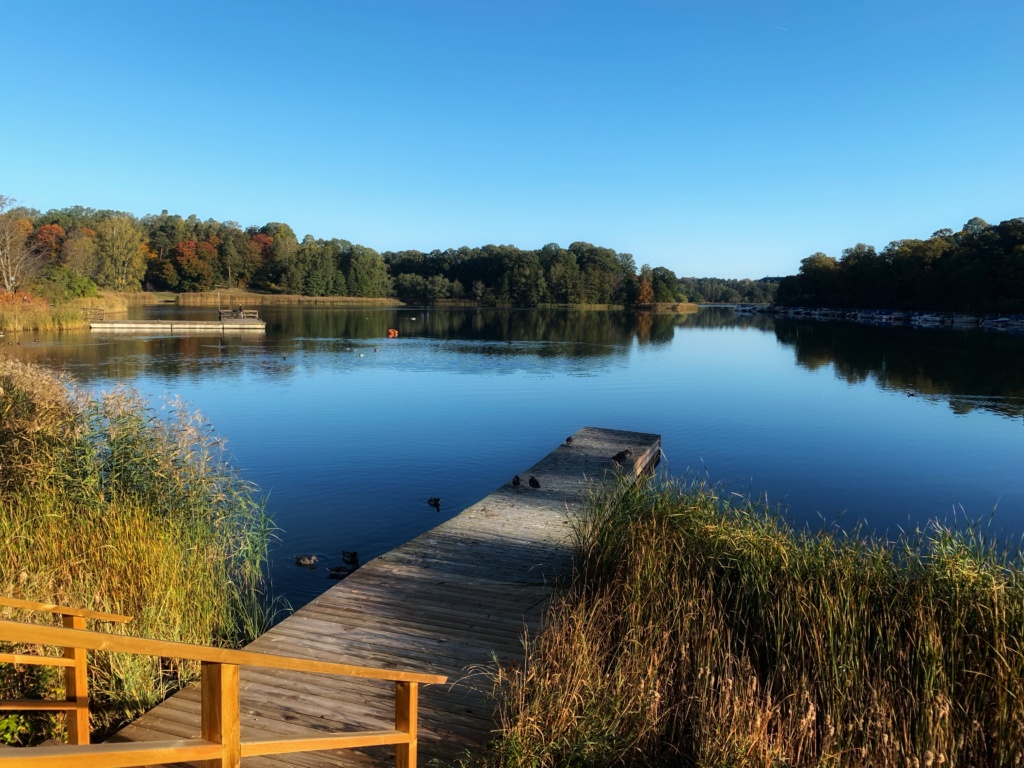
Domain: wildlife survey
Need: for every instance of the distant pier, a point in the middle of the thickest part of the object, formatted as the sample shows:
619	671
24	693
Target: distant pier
225	325
448	602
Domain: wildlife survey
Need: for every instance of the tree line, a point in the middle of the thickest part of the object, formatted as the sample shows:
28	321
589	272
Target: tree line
978	269
716	290
61	248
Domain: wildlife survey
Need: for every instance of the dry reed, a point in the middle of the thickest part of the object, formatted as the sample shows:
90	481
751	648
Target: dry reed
106	504
704	631
233	298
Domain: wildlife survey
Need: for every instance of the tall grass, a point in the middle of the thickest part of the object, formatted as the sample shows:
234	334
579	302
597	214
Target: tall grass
25	312
232	297
704	631
110	505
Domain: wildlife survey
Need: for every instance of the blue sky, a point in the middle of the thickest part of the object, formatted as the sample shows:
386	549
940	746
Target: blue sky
728	139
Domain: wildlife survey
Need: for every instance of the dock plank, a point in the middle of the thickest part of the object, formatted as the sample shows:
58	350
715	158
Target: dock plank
447	602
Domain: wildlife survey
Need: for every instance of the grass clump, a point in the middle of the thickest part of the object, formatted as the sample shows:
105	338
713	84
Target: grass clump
700	630
107	504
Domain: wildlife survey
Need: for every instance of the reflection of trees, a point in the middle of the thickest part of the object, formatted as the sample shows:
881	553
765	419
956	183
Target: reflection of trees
970	369
334	332
592	329
724	317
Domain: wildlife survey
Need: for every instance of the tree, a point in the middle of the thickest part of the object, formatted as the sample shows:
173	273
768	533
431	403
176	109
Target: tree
665	284
121	254
47	241
79	252
367	273
18	262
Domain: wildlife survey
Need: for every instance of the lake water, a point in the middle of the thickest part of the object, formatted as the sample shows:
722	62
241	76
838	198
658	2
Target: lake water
349	432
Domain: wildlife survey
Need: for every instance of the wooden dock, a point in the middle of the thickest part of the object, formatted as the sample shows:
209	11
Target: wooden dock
448	602
226	325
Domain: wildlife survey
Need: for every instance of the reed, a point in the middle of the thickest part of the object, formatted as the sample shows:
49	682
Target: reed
25	312
233	297
106	504
703	630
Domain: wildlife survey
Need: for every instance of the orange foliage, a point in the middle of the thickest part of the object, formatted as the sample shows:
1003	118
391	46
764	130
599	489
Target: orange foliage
20	297
48	241
23	227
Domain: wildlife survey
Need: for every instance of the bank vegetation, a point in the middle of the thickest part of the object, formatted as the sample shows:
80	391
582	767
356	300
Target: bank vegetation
167	252
700	629
978	269
108	504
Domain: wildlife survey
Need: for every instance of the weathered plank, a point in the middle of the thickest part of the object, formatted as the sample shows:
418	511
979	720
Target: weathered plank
447	602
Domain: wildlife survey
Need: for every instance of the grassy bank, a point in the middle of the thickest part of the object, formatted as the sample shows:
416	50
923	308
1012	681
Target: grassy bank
704	631
24	312
232	298
106	504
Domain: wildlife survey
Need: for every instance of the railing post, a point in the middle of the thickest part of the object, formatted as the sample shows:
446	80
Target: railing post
220	716
406	715
76	687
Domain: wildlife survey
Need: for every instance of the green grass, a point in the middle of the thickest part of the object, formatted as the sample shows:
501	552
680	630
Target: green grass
110	505
701	630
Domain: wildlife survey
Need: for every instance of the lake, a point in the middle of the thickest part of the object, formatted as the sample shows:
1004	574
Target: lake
349	432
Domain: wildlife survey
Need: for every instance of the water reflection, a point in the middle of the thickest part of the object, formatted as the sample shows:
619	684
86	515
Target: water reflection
350	433
341	337
969	369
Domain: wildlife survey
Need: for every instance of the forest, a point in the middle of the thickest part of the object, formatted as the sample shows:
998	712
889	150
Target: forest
978	269
66	252
716	290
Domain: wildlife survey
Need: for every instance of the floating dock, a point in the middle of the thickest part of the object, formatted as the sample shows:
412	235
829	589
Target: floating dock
179	326
450	602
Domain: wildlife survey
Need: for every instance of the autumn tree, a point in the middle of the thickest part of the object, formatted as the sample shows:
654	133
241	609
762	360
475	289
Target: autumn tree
121	254
17	260
48	241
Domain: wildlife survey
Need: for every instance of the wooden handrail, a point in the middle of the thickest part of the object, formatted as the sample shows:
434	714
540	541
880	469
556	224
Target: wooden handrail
76	675
16	632
220	744
63	610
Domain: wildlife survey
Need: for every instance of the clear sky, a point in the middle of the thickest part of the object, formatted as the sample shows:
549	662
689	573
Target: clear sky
717	138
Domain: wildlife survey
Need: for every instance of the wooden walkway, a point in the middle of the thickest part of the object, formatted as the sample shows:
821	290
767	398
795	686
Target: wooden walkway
448	602
179	326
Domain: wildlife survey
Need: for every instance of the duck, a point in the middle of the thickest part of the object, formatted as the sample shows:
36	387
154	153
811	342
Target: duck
568	440
621	456
435	502
516	482
306	561
534	482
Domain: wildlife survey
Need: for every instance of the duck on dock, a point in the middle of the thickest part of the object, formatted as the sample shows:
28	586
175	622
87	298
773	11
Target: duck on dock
516	482
621	456
534	482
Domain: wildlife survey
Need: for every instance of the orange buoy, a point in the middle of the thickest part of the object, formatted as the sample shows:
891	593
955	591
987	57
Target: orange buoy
392	333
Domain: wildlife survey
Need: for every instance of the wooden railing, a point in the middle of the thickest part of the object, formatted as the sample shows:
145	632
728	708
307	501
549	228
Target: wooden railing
76	680
220	744
239	314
